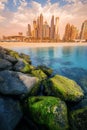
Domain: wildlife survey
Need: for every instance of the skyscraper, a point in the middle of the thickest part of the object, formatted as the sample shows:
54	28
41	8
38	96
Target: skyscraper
57	28
29	30
40	27
46	31
67	33
83	33
52	28
73	33
35	35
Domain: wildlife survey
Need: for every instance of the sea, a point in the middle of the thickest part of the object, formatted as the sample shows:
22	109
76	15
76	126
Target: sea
69	61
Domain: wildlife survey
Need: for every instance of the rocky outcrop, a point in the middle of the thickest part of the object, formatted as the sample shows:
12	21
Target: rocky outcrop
50	112
66	89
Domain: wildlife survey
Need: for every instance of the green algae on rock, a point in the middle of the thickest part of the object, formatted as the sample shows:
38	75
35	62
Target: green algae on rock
66	88
48	111
27	68
13	54
48	71
25	57
39	73
78	119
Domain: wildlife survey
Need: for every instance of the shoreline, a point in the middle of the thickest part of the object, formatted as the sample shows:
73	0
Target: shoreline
35	45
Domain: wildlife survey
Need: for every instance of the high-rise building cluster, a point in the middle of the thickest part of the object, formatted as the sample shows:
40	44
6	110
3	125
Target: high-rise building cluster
71	33
42	31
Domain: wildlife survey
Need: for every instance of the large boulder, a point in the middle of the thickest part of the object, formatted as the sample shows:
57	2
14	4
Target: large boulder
66	89
16	83
50	112
5	64
78	119
10	113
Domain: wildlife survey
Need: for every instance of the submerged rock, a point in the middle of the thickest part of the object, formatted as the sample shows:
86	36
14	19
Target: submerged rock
50	112
78	119
66	89
16	83
10	113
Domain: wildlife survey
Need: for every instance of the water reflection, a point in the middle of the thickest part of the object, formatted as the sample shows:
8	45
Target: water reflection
67	61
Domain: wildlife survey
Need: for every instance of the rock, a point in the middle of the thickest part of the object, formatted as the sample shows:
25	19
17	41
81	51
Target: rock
24	67
10	113
39	73
50	112
25	57
13	54
2	52
31	83
10	59
14	83
78	119
66	89
4	64
48	71
19	66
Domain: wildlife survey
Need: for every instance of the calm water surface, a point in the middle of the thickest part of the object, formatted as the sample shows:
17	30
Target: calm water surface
67	61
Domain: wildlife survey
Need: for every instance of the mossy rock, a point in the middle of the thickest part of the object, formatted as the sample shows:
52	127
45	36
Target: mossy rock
78	119
47	91
48	71
13	54
39	73
48	111
35	90
25	57
27	68
66	88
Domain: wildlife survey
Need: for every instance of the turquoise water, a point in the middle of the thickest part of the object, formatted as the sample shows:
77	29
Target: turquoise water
58	58
67	61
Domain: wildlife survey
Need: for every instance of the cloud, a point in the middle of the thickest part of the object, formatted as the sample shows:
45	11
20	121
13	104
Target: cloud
2	19
28	11
2	4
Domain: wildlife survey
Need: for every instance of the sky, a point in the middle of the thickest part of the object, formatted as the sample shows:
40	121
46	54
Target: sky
15	15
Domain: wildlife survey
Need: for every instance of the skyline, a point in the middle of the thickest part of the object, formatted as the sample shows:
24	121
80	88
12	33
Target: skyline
16	14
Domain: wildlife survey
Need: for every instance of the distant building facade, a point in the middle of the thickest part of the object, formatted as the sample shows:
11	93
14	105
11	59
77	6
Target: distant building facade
71	33
46	31
52	28
83	33
29	30
57	28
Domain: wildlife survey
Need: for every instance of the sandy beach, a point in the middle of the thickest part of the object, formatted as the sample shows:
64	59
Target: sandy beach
33	45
